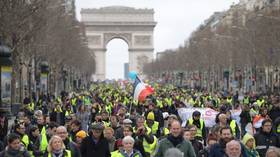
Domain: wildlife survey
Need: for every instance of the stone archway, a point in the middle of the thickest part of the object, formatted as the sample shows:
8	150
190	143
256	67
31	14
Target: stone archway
134	26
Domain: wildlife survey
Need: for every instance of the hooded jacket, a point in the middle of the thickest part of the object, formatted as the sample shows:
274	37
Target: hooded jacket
250	152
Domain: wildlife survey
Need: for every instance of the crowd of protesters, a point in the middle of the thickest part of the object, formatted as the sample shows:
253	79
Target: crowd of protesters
106	121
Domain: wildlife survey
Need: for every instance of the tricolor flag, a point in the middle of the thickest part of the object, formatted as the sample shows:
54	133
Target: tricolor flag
141	90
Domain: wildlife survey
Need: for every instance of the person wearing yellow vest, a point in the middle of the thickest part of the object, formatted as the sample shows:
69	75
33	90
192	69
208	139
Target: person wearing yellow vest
145	136
20	130
233	125
127	149
152	124
31	107
68	111
33	137
14	147
246	100
74	103
56	148
41	144
166	130
200	125
223	121
229	100
105	118
58	115
261	102
157	113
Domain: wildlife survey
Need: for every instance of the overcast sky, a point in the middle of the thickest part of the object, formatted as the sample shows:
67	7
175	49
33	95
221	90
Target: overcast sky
176	19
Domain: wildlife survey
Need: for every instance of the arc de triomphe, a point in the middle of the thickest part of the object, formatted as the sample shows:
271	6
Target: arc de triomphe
134	26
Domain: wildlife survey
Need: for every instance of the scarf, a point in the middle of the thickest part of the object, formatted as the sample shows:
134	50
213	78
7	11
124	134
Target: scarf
175	140
58	153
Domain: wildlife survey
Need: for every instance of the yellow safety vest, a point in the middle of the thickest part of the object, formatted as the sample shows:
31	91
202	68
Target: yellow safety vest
25	140
150	148
159	103
147	129
59	110
154	127
74	101
168	101
246	101
106	124
67	113
166	131
260	102
117	153
199	130
233	126
68	153
191	101
229	100
31	106
44	140
278	129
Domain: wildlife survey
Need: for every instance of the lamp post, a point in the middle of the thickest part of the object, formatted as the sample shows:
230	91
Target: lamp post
64	77
29	80
228	78
44	76
5	60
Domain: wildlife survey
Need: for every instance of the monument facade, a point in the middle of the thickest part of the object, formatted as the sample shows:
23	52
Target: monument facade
134	26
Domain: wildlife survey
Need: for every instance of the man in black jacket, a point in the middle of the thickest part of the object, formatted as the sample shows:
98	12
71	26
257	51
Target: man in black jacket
266	138
95	144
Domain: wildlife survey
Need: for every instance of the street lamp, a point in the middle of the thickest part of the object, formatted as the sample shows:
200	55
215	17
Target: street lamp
5	60
228	78
64	77
44	76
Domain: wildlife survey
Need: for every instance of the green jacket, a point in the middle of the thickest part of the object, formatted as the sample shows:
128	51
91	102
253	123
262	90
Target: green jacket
185	147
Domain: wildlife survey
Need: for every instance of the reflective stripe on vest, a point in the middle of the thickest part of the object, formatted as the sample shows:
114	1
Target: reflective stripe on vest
233	127
68	153
25	141
199	130
150	148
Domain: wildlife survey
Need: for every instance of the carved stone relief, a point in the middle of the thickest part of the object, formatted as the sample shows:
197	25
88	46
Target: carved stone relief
94	39
142	40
